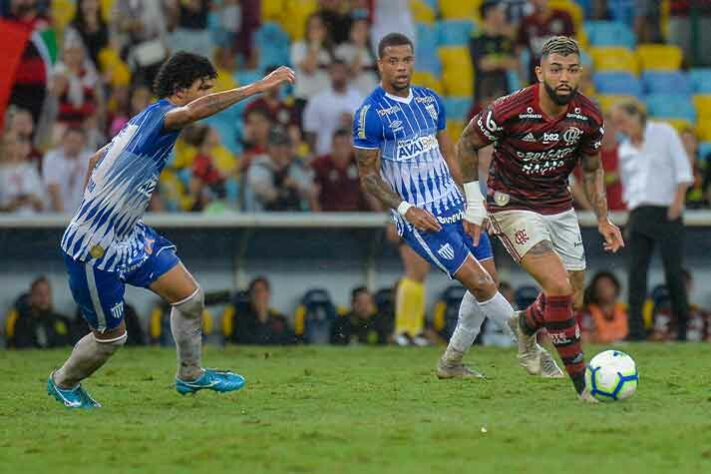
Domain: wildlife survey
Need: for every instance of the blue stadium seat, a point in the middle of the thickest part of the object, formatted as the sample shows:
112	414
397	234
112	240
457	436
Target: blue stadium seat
586	5
671	106
701	80
454	32
610	33
246	77
705	152
274	45
426	52
617	83
666	82
426	37
622	10
457	108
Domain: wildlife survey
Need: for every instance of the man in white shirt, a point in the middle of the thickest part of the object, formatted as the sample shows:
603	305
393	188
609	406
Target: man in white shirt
655	173
64	169
330	110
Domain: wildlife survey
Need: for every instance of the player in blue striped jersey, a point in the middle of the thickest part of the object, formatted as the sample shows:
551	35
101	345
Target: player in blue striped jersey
399	135
107	246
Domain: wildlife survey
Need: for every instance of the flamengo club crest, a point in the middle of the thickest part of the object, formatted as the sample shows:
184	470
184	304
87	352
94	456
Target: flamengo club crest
572	135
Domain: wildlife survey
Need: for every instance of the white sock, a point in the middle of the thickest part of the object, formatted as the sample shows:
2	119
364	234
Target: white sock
86	358
499	310
186	327
471	317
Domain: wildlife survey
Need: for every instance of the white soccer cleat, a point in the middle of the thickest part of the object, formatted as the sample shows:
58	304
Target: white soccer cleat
456	370
529	355
549	368
587	397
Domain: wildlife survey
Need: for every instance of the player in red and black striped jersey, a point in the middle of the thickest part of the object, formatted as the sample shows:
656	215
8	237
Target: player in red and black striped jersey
540	134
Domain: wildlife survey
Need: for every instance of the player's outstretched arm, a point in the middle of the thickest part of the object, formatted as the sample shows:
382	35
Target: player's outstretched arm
374	185
594	186
219	101
467	151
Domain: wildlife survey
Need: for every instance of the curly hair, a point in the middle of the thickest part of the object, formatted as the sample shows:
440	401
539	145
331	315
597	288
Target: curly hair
180	71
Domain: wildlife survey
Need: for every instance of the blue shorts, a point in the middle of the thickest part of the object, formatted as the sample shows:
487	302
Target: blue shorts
447	249
99	294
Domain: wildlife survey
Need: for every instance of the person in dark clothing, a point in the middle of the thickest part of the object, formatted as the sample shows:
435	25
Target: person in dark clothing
253	322
33	323
363	324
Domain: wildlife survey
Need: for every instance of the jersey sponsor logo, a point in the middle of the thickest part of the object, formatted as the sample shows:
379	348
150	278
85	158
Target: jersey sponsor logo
577	114
572	136
501	199
432	111
454	218
529	138
425	100
551	137
530	114
361	122
559	338
407	149
390	110
555	154
446	252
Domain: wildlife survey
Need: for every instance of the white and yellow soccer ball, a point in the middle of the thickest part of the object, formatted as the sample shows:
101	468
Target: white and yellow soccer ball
612	375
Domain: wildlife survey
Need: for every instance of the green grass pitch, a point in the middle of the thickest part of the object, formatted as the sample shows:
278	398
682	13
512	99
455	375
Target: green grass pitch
356	409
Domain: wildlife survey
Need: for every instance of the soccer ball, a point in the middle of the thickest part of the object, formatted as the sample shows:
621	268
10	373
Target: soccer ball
611	375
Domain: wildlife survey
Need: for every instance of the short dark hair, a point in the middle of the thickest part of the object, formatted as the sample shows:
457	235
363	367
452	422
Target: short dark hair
633	108
562	45
393	39
487	6
38	281
180	71
357	291
341	132
256	281
75	129
590	295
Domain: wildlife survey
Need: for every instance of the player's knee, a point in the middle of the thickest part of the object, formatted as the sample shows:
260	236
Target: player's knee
193	305
484	287
109	346
558	287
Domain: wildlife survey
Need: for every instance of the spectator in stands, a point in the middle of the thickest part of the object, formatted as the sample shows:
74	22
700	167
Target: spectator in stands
492	52
604	317
64	171
647	16
360	57
19	122
140	98
207	183
21	189
91	28
256	322
391	15
281	111
249	14
681	30
76	86
330	109
362	324
655	175
257	125
336	177
276	181
697	196
311	58
665	322
190	18
142	31
30	84
33	324
538	27
337	18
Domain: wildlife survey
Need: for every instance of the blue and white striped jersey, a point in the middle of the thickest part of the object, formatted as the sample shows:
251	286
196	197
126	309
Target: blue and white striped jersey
405	132
107	231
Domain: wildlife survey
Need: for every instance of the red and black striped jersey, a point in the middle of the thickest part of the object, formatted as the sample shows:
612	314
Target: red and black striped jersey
534	154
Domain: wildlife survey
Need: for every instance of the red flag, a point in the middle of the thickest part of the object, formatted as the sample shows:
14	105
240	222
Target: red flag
14	39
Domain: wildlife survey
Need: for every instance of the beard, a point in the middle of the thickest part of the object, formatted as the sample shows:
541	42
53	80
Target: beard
558	99
399	87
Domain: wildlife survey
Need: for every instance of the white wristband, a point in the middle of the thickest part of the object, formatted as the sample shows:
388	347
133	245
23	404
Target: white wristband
403	208
475	211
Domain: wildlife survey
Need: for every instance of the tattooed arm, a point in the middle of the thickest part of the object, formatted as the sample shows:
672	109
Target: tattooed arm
374	185
217	102
594	186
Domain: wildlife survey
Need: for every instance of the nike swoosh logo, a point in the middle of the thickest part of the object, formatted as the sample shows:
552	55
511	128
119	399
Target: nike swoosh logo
194	385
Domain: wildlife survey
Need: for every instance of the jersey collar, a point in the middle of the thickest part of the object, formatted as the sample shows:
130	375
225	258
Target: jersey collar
402	100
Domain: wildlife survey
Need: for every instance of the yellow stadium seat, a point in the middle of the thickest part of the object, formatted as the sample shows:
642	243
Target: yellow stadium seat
703	105
272	10
606	101
110	61
459	9
427	79
614	58
455	129
62	13
294	17
457	71
107	10
224	81
422	12
679	124
703	130
660	57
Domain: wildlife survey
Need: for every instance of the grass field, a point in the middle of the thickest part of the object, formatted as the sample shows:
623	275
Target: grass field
339	410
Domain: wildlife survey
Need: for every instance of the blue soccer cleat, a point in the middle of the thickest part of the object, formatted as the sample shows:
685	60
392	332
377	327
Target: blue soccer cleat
217	380
75	397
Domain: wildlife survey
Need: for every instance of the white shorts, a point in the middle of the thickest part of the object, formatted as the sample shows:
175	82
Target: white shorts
520	230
